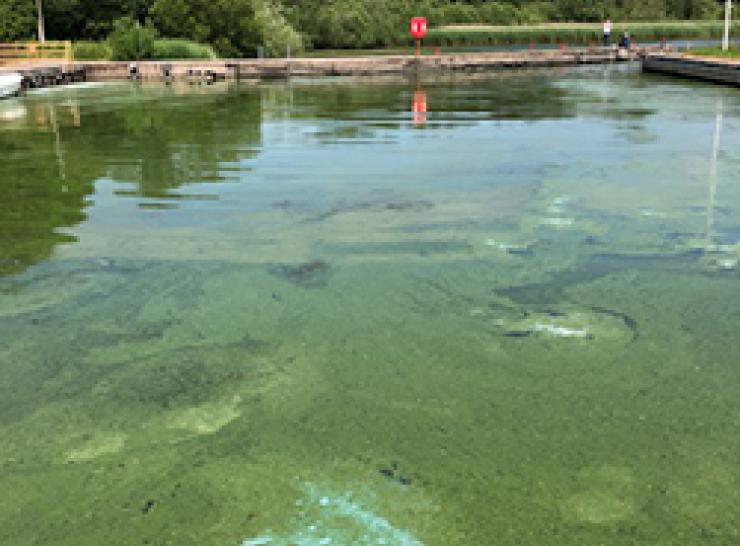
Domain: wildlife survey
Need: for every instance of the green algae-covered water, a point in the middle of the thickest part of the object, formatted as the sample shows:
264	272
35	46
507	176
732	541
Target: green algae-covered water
314	313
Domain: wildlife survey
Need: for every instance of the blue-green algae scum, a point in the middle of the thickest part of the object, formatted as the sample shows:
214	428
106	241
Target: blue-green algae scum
302	314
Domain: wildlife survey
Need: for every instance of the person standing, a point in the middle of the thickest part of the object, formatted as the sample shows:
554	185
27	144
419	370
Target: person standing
607	32
625	42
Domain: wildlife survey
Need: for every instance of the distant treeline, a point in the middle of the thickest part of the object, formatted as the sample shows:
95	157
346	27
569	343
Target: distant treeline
240	27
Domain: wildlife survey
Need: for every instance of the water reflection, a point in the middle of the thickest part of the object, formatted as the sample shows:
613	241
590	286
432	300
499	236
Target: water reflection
56	146
716	143
419	107
292	147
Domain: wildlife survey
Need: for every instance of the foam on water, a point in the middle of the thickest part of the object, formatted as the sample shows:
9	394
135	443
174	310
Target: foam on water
560	331
335	519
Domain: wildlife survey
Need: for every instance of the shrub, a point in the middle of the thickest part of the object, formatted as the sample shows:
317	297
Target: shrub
498	13
131	41
575	34
456	13
178	48
17	20
91	51
275	32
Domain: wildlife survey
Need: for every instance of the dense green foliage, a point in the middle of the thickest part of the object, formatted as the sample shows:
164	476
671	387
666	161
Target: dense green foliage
164	48
241	27
17	19
87	50
177	48
131	40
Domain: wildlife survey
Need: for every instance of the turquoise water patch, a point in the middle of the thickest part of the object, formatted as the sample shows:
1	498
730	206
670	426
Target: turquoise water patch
336	519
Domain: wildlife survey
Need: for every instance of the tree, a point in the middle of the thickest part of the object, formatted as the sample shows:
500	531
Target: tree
17	19
234	27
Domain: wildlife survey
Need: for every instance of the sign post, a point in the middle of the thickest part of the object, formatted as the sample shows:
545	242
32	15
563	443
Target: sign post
418	28
728	19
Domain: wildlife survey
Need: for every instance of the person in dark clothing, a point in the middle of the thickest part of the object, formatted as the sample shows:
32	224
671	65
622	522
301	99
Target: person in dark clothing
625	41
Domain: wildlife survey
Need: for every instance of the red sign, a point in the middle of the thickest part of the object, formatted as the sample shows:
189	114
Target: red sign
418	27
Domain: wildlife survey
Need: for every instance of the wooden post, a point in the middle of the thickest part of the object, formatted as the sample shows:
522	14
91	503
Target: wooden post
418	48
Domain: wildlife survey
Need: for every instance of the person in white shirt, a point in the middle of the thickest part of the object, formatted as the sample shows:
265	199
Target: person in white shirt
607	32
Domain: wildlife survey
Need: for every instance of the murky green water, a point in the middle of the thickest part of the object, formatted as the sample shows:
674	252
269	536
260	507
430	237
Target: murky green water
303	314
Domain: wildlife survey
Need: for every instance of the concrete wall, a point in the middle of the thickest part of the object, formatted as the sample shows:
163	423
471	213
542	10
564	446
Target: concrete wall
266	68
699	68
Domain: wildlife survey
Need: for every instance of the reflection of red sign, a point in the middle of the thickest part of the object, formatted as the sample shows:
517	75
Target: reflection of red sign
419	107
418	27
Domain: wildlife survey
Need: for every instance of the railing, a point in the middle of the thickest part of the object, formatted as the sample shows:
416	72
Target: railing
35	52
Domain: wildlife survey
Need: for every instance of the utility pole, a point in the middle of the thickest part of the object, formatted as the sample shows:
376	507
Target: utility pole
40	10
728	19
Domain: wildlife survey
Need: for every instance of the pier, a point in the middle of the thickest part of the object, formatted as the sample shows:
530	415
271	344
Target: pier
50	74
346	66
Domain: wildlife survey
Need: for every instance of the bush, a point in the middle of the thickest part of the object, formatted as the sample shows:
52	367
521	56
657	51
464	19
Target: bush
91	51
536	13
17	20
130	41
361	23
453	14
275	32
497	13
178	48
233	27
575	34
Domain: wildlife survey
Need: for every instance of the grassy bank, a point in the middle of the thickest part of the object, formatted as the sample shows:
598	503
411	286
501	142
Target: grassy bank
573	33
733	53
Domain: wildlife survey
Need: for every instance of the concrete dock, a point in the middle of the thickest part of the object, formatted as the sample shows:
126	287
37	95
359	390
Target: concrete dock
39	75
50	74
381	64
712	69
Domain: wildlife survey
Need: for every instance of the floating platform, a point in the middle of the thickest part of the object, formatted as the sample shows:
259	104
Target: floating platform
712	69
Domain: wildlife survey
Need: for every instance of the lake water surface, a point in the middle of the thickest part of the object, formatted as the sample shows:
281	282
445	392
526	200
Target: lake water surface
472	310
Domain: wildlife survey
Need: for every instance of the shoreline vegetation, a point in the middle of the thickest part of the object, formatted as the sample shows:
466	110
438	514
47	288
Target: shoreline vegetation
453	38
574	33
279	28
